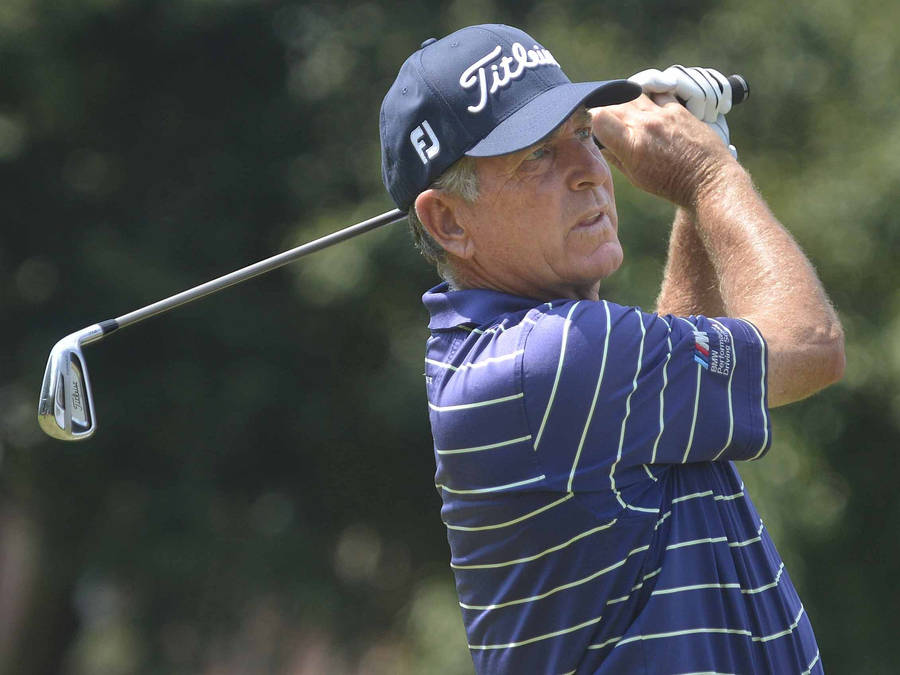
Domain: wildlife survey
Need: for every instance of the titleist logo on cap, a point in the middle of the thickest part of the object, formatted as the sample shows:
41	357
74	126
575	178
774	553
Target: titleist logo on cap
504	72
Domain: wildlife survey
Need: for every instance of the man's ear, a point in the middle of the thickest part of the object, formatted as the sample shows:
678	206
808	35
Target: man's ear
440	214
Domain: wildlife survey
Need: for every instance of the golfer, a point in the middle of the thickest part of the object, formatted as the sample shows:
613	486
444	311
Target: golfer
585	449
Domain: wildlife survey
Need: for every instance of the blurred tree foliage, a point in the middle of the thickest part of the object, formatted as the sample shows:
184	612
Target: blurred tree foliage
259	497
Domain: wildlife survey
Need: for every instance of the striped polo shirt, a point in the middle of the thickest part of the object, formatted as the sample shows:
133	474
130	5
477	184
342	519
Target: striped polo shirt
595	519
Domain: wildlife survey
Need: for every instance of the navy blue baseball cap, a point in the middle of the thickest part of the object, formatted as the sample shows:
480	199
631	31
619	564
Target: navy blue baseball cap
482	91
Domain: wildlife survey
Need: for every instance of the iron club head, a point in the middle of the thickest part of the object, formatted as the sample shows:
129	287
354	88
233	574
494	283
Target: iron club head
66	404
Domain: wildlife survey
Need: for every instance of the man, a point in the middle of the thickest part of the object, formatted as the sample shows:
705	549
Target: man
583	448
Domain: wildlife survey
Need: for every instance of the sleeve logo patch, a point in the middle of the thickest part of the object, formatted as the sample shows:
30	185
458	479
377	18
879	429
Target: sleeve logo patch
701	349
713	351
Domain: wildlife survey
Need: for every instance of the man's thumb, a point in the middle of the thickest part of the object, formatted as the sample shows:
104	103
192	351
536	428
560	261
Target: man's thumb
610	131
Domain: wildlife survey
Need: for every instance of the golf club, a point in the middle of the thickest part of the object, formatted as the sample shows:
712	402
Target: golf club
66	403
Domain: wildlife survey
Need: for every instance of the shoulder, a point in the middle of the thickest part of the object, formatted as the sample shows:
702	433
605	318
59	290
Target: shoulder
576	325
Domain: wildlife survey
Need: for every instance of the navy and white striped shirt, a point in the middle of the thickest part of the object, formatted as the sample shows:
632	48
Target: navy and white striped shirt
596	523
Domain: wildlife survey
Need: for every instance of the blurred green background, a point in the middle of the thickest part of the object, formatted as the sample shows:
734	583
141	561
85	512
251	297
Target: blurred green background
259	497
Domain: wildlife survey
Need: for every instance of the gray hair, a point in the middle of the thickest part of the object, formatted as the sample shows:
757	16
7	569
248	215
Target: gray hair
461	179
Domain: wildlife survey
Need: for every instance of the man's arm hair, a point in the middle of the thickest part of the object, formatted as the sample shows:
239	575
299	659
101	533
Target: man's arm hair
689	285
765	277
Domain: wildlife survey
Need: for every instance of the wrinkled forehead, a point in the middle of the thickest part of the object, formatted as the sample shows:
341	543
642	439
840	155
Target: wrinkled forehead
577	120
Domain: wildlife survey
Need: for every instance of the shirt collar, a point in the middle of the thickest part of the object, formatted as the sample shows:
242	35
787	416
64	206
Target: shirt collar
472	305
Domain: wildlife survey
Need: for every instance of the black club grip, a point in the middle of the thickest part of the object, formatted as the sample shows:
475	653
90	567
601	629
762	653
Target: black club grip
740	89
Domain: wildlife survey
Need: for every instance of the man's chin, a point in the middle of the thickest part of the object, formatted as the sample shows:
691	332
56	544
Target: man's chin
607	260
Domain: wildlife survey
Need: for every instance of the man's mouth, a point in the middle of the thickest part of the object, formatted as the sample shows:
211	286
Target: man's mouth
594	219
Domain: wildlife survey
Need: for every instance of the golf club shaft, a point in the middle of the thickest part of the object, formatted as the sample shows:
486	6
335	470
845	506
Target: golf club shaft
740	92
243	274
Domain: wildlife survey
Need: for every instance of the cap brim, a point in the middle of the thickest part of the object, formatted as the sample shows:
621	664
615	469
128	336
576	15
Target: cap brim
540	116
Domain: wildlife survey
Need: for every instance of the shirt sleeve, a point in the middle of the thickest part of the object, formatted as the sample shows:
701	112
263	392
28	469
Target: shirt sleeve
611	385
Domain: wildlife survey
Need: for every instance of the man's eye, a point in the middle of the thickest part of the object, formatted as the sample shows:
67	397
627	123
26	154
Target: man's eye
585	133
537	153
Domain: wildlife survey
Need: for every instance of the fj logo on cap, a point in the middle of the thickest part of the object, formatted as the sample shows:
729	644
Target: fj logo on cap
504	72
427	151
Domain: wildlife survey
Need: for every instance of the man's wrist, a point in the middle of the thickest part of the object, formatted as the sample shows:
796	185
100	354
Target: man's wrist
714	182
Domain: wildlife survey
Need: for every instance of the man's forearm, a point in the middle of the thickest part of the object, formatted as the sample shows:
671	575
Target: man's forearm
764	277
690	284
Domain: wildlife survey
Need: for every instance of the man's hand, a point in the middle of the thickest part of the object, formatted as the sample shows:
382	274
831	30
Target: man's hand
705	92
661	147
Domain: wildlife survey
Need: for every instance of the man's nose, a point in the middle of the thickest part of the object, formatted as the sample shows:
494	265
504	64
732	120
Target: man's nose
586	165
